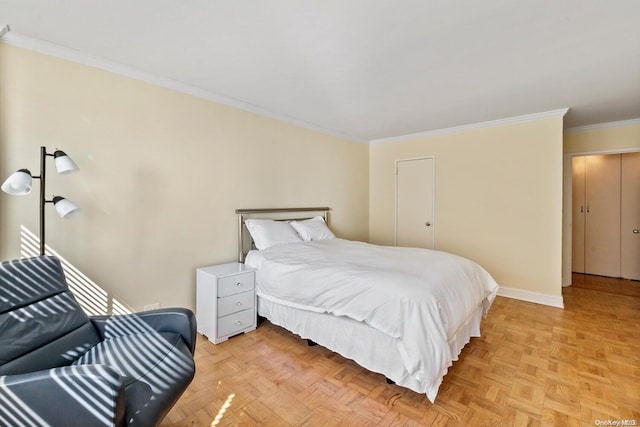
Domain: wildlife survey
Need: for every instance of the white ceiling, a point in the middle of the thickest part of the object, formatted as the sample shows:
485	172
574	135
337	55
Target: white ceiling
364	69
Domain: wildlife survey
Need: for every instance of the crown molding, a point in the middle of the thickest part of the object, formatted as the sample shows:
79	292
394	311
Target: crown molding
600	126
491	123
62	52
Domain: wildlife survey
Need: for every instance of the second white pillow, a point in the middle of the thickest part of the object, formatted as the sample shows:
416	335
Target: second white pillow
313	229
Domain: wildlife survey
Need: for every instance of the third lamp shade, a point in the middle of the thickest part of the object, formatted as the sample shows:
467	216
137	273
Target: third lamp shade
65	207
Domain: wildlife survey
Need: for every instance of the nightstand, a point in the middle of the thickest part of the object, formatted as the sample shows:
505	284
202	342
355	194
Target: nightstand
225	300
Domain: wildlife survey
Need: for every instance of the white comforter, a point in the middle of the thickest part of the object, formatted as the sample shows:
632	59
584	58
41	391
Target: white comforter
419	297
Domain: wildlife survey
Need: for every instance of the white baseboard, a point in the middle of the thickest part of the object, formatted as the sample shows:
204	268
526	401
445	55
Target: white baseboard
536	297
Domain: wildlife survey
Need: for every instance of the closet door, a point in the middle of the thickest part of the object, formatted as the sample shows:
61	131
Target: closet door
630	216
415	203
578	168
602	219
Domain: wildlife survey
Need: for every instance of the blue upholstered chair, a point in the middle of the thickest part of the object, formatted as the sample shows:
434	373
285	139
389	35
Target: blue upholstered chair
59	367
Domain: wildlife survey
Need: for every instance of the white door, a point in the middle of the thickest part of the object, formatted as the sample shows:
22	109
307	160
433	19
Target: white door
415	203
630	217
602	223
578	169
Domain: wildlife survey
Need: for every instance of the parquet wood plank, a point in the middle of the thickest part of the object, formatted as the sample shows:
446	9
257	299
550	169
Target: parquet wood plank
393	419
554	418
534	365
483	412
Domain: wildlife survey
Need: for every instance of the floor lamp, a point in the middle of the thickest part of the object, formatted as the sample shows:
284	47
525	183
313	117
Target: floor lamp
19	184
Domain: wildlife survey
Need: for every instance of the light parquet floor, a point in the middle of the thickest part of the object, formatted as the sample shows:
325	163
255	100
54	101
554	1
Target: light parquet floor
606	284
534	365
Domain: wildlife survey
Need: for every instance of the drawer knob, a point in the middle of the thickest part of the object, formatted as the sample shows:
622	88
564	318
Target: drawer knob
238	322
238	284
238	303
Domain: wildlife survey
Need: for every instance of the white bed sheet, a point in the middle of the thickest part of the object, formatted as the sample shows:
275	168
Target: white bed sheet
372	349
419	298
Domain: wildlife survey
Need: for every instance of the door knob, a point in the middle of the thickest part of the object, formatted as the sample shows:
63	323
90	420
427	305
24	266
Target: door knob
636	231
428	224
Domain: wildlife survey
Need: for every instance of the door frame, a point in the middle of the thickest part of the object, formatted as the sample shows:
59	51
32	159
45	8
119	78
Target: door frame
567	206
433	196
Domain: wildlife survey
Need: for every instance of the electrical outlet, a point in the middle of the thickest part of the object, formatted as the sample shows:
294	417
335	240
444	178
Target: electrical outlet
153	306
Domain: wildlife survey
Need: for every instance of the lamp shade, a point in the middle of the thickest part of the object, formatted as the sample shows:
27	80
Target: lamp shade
64	164
19	183
65	207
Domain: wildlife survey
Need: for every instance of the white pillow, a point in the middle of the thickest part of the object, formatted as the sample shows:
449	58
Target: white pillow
267	233
313	229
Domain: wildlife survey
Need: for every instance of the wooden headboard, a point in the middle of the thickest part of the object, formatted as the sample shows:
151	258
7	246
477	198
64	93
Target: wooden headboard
245	243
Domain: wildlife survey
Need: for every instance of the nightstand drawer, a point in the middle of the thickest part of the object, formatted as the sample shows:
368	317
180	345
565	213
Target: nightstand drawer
227	325
235	303
235	284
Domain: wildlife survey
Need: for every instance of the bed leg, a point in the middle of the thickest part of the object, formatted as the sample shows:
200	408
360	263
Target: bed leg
311	343
389	381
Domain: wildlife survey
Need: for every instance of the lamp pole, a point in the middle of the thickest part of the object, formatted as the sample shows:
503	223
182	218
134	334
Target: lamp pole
43	166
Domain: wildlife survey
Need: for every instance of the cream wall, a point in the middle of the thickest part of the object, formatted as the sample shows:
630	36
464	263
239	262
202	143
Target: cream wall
498	199
608	138
161	174
622	137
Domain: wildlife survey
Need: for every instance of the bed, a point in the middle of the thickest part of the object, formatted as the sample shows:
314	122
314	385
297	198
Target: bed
405	313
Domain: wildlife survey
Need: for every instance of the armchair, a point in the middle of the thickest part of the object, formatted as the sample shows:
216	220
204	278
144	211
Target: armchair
59	367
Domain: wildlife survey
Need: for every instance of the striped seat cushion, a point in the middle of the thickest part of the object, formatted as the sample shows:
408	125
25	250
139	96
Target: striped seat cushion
155	368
